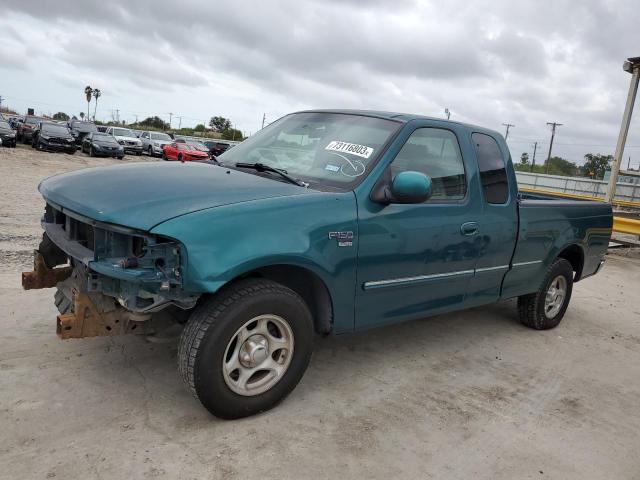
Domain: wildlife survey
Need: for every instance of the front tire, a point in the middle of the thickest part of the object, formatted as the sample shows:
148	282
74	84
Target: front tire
245	349
545	308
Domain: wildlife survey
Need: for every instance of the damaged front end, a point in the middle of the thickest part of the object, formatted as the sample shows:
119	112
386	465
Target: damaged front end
112	278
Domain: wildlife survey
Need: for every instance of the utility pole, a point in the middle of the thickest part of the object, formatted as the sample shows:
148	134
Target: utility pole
170	115
629	163
136	118
508	125
632	65
533	162
180	123
553	134
264	118
1	102
447	113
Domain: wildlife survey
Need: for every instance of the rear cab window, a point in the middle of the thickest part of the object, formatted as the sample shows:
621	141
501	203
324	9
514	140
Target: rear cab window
492	167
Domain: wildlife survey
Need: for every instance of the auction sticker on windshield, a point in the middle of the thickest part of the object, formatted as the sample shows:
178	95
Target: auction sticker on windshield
352	148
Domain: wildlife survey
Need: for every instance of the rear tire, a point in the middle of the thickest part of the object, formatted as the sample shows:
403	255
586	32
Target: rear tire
545	308
91	152
258	316
164	156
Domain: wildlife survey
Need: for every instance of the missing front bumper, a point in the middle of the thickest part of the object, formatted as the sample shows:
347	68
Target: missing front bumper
43	276
89	320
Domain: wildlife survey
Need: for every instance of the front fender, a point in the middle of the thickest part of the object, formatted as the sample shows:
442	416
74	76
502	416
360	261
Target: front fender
224	243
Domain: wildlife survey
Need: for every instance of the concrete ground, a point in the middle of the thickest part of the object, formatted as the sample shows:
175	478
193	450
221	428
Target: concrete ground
467	395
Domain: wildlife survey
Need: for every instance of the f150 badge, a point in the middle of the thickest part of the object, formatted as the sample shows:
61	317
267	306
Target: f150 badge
345	239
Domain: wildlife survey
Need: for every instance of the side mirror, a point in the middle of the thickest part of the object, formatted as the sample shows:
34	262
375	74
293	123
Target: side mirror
411	187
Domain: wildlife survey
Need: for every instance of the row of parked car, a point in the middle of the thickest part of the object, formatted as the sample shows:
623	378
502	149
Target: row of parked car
46	134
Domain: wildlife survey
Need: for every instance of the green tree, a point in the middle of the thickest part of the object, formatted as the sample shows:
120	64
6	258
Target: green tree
524	158
199	128
560	166
595	165
154	122
220	124
232	134
61	116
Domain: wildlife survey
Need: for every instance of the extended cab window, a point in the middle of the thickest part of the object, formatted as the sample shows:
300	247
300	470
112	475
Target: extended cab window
436	153
493	173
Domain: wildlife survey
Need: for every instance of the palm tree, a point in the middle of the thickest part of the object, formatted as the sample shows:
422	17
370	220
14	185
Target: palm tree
88	91
81	115
96	94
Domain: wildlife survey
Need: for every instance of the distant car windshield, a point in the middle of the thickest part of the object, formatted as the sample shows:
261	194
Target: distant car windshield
327	148
123	132
198	146
160	136
53	129
4	124
84	126
33	120
104	138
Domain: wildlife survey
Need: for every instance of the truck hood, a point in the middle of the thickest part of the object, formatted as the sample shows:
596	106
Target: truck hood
142	195
128	139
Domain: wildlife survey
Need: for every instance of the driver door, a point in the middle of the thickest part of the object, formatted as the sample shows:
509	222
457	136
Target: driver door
418	259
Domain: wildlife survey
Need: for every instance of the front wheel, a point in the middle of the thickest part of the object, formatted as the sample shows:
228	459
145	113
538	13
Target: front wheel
92	153
245	349
164	156
545	308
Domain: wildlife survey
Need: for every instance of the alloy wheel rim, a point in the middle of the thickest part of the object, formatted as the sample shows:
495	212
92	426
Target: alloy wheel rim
258	355
555	296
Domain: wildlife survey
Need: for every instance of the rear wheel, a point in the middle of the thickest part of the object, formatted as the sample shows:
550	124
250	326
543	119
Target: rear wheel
164	156
246	348
180	157
91	152
150	151
545	308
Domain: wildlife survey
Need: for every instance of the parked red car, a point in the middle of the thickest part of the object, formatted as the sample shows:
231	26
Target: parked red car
183	152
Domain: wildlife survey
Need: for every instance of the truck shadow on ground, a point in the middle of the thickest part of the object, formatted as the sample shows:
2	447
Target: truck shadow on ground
148	371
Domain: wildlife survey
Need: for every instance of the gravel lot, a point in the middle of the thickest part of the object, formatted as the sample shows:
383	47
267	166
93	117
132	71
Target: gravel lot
465	395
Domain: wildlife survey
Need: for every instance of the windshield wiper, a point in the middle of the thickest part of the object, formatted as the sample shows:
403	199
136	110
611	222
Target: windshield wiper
261	167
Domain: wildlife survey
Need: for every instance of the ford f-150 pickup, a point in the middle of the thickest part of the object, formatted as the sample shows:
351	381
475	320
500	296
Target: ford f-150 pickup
323	222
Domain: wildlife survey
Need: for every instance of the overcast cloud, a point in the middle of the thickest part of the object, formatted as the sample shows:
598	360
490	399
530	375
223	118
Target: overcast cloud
489	62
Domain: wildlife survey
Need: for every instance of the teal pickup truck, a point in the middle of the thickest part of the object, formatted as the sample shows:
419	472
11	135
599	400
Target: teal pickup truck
324	222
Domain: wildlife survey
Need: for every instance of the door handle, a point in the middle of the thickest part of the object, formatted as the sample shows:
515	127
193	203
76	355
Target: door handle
469	228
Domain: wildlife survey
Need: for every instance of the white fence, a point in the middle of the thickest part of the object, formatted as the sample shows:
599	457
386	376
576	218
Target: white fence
577	186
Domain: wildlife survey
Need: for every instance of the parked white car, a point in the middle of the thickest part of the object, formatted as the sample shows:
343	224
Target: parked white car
127	139
152	142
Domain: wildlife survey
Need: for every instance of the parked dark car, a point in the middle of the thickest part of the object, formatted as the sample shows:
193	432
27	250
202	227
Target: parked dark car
80	129
98	144
7	134
27	127
102	128
216	148
54	137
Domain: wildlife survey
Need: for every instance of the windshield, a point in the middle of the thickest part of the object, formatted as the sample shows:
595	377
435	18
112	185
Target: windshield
33	120
84	126
4	124
326	148
104	138
52	129
160	136
123	132
198	146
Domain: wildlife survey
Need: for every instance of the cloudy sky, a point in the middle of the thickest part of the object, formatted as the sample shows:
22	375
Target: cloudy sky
488	62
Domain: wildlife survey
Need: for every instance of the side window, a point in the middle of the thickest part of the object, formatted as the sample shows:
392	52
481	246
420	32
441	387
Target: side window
493	173
436	153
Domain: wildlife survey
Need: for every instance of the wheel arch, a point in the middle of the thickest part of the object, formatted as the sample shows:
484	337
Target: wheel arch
306	283
574	254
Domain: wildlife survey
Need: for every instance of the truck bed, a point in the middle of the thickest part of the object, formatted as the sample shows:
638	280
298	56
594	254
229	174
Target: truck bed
547	226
